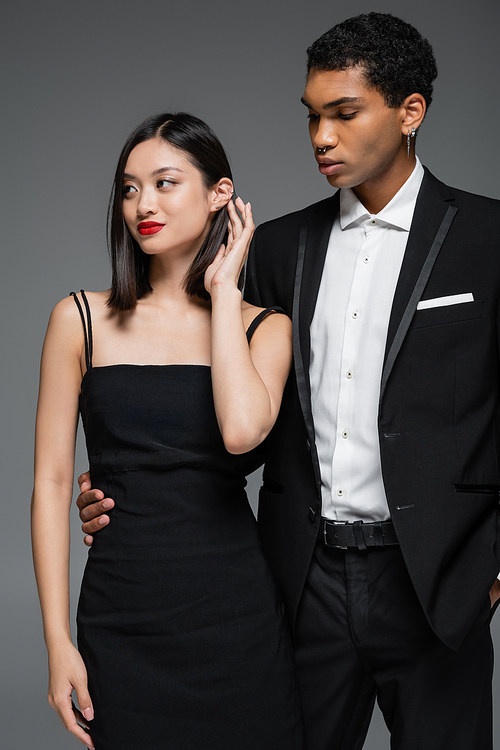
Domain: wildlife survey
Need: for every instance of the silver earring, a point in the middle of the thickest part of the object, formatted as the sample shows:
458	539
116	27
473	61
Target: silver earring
409	136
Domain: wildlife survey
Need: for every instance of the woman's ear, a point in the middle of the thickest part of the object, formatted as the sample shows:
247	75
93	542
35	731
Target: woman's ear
221	194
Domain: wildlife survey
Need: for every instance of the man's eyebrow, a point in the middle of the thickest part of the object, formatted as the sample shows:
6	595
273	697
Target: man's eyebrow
155	173
335	103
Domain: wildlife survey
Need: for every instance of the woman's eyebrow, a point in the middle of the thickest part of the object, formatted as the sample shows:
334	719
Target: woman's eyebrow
166	169
156	172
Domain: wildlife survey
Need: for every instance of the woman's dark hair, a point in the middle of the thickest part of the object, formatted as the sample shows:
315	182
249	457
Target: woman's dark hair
130	266
396	58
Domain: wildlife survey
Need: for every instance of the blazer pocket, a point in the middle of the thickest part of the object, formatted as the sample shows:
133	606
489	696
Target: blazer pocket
275	488
438	316
478	489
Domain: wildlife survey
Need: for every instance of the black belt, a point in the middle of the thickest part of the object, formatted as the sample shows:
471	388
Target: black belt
358	534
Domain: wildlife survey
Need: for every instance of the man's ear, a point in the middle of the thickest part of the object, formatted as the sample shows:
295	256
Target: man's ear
414	108
221	194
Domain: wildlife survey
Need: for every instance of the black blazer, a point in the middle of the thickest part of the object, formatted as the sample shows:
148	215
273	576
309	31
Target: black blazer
439	402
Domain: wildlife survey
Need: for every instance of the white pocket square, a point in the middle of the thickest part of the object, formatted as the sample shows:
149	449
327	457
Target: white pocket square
452	299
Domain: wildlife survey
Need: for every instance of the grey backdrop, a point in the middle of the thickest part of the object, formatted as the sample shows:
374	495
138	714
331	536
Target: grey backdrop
77	77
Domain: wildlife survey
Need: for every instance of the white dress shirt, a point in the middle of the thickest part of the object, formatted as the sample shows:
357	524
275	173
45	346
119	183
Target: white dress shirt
348	338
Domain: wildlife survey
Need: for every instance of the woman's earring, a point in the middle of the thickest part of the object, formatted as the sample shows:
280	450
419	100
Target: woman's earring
409	136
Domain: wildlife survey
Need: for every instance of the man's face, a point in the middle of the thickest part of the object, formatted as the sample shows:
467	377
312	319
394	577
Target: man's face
360	137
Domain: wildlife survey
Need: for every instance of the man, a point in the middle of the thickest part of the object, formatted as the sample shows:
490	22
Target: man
378	510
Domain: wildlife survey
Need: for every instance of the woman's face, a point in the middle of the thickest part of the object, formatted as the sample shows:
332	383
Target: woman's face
165	203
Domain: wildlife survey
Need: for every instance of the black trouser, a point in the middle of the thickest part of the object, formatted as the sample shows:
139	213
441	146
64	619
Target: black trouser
361	634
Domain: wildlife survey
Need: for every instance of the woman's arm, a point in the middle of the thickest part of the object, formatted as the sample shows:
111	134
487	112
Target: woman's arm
247	382
56	424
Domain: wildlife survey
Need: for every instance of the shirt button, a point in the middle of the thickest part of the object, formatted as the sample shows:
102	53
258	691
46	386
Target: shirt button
373	222
348	374
366	259
340	492
345	434
355	314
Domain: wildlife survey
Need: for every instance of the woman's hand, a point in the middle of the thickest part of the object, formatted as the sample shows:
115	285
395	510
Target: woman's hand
495	593
67	673
229	261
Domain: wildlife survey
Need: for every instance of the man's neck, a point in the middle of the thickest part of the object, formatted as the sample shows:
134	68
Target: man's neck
377	192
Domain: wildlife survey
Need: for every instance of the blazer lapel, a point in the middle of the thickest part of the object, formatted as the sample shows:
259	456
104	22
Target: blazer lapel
313	244
431	222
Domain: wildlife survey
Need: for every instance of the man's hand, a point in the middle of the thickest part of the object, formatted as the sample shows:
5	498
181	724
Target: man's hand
92	505
495	592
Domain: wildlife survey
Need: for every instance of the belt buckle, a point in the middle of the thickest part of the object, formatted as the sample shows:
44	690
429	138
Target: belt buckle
335	523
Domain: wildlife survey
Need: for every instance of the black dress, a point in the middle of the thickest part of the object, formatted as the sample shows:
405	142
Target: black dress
180	624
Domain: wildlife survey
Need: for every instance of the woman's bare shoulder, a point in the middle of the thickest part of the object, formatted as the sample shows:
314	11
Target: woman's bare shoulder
272	322
250	312
65	314
65	318
98	302
64	337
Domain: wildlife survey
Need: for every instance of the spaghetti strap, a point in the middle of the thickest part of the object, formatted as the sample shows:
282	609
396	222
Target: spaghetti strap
87	327
260	317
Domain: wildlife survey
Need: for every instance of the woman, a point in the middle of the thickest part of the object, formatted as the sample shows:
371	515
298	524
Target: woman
181	630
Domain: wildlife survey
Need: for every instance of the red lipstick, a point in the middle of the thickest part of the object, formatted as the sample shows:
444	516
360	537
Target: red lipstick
149	227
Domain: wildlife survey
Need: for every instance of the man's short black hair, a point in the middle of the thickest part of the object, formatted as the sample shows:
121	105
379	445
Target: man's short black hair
396	58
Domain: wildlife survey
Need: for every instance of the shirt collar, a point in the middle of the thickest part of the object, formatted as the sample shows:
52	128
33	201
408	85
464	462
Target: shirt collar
397	213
